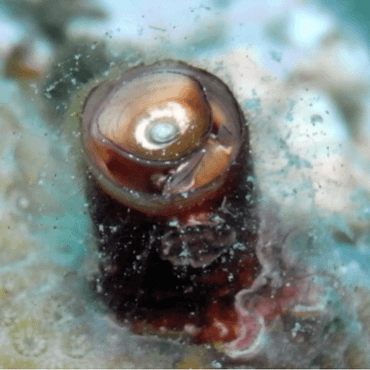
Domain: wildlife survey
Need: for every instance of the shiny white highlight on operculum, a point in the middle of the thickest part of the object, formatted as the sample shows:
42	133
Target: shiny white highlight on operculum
171	112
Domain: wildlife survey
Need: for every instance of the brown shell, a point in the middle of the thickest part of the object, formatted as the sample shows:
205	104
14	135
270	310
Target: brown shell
161	136
171	196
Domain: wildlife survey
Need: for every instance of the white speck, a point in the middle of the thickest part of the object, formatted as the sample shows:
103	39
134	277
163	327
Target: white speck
216	364
173	223
113	229
296	328
185	253
217	219
99	288
240	246
23	203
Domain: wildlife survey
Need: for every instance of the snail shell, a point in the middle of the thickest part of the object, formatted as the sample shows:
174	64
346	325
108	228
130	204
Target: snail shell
162	137
170	197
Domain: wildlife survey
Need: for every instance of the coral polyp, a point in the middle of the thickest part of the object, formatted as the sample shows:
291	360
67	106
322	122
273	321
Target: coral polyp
30	338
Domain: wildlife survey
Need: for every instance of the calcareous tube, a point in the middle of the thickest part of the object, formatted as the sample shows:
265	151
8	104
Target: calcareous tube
172	197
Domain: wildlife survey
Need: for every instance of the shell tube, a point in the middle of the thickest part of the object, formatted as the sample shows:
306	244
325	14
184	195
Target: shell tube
169	169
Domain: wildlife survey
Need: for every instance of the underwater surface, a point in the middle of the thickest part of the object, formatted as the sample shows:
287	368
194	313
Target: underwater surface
300	72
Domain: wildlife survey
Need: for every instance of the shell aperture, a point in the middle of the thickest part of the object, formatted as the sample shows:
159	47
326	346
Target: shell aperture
176	127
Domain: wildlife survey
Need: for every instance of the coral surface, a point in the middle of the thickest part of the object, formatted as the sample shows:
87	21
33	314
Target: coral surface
302	80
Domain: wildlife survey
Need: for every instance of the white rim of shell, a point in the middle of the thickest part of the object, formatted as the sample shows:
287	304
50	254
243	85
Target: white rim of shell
162	126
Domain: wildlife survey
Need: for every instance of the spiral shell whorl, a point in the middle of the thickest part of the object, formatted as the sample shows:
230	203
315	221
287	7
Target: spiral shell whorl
162	135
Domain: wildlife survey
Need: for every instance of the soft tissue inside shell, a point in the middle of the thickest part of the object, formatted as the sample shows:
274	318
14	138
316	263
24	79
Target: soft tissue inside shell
139	103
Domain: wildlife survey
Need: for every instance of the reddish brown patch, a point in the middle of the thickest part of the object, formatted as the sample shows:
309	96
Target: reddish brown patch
221	325
16	67
217	321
